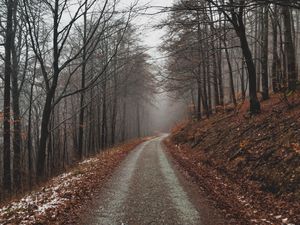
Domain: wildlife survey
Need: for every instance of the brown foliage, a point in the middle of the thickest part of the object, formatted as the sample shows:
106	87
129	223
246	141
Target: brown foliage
59	201
249	165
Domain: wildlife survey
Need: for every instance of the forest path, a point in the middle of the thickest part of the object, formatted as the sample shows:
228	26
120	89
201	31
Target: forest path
147	189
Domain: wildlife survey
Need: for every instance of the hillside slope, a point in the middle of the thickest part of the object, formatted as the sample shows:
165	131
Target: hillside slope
249	165
61	199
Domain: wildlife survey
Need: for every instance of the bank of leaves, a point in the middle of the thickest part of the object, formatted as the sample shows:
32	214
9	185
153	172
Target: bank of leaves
59	200
249	164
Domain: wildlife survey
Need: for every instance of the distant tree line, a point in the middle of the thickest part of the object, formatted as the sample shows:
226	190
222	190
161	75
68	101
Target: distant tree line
75	81
227	51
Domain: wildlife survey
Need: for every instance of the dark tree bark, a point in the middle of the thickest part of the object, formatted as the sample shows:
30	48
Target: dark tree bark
16	90
232	91
214	59
138	119
29	136
254	103
256	44
243	88
17	125
264	53
114	105
237	21
258	56
204	86
208	74
290	50
275	60
9	39
215	78
220	76
124	116
199	96
235	15
47	111
104	113
83	70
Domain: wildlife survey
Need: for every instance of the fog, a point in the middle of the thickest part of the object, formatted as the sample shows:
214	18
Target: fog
167	113
164	111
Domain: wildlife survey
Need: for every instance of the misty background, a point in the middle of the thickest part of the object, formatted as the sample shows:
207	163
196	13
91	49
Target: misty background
166	110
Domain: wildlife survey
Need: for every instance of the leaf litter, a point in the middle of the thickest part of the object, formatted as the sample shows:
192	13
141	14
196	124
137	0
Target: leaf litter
250	166
59	201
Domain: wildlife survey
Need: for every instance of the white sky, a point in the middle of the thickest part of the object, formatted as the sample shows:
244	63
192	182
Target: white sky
150	37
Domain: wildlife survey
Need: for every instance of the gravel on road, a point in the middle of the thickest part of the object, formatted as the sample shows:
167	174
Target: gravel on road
148	189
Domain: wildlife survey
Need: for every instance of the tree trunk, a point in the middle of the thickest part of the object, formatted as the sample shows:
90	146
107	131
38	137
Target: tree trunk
6	120
17	125
290	50
104	121
243	89
220	72
241	32
29	136
83	69
264	53
202	56
199	95
41	158
214	59
259	37
209	85
204	88
215	78
114	105
138	119
275	60
233	98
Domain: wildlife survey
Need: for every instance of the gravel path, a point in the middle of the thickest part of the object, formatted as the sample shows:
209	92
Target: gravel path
148	190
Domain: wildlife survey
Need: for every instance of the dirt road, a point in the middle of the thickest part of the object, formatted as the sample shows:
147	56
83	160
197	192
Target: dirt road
147	189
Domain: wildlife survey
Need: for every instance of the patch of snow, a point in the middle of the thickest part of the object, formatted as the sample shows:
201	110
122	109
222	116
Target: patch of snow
87	161
64	175
53	202
266	221
39	202
242	200
285	220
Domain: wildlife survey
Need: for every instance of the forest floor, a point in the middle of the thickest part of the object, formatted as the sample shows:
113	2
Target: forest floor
60	200
249	165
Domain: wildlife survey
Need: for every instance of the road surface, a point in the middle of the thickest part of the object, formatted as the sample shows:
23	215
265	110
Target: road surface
147	189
